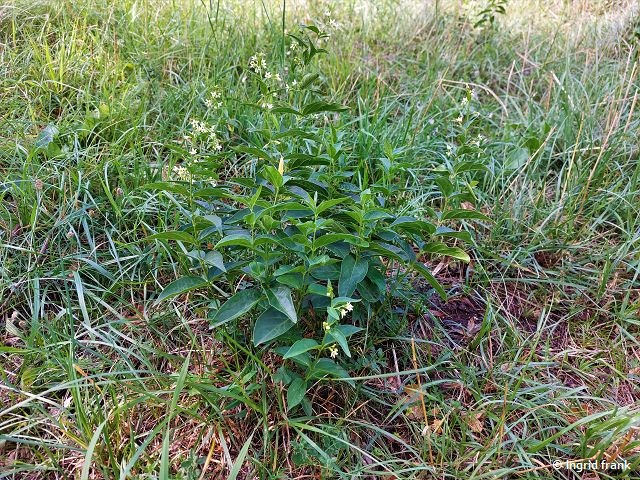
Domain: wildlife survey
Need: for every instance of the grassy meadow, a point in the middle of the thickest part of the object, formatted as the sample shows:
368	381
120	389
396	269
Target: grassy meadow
160	158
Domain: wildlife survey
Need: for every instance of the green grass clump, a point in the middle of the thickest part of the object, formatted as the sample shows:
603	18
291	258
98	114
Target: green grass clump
122	123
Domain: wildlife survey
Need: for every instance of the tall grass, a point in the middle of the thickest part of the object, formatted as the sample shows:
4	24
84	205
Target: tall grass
534	359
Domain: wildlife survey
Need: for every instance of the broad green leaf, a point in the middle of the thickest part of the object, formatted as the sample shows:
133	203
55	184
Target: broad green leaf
378	279
181	285
338	301
317	289
327	367
342	341
320	106
352	272
297	160
460	213
304	359
368	291
326	272
295	392
301	346
273	175
285	110
215	259
293	280
280	298
446	187
411	225
442	249
376	214
235	240
345	330
327	204
329	238
271	324
238	305
389	251
311	77
463	235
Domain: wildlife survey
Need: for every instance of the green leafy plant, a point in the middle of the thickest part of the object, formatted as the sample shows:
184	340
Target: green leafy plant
305	242
487	16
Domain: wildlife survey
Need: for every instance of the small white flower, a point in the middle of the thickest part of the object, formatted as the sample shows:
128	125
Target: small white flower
325	326
333	351
459	119
294	83
193	151
348	307
181	172
267	75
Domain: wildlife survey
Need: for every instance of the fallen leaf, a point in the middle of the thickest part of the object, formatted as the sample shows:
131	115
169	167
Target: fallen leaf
474	421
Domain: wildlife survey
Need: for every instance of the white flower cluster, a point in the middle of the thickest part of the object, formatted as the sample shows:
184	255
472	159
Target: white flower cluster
478	140
214	102
181	173
294	83
257	63
346	309
203	138
292	49
330	22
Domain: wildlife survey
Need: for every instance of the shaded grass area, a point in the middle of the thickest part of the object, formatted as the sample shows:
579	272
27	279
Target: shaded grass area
534	357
